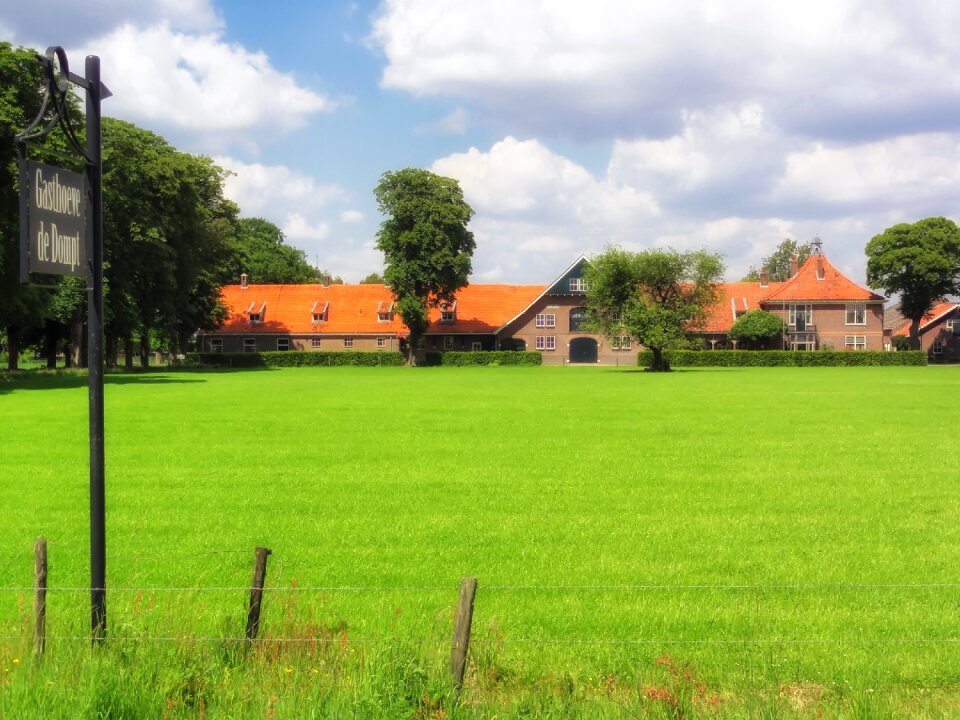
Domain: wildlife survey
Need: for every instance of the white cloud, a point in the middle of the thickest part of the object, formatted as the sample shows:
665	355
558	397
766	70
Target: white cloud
200	85
297	228
453	123
351	216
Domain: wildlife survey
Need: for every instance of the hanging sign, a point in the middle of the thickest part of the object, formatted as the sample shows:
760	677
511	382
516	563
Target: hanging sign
56	209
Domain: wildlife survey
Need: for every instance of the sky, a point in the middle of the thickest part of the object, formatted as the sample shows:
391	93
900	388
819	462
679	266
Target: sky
570	125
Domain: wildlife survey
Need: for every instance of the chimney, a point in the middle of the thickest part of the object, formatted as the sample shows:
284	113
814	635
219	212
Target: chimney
820	274
243	281
326	281
764	277
794	264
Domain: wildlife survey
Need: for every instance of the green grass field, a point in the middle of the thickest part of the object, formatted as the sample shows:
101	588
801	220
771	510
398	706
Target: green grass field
707	543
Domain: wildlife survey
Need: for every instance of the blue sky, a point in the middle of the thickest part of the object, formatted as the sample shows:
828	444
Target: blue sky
570	125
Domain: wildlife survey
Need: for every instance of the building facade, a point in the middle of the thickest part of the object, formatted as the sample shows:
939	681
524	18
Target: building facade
939	332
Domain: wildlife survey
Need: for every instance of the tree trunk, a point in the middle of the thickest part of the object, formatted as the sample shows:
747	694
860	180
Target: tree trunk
145	348
76	340
111	350
51	333
128	352
915	334
13	347
660	363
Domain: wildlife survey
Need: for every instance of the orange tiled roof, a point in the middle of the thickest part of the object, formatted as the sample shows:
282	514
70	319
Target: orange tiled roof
936	312
739	295
352	309
834	286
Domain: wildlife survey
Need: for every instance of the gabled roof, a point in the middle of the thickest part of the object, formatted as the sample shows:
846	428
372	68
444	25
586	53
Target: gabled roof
735	296
937	313
484	308
834	285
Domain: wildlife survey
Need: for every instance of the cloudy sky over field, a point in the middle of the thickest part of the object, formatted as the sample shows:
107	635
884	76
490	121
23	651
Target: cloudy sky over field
570	125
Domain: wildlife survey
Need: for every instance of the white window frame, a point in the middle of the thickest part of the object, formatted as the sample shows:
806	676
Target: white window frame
857	310
381	342
249	344
546	342
314	342
541	320
807	310
348	343
476	346
953	326
318	318
937	347
855	342
448	342
577	284
216	345
286	343
384	317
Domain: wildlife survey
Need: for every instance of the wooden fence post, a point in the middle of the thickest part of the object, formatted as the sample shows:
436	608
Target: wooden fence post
40	597
256	591
461	630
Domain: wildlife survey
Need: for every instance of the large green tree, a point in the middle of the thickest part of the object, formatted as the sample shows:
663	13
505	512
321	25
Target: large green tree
920	262
778	262
426	244
658	297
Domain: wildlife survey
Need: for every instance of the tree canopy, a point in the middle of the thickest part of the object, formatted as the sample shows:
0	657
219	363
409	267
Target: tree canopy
425	241
757	326
778	262
658	297
261	253
920	262
372	279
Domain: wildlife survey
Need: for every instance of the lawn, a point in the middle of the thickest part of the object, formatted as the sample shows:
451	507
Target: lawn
714	542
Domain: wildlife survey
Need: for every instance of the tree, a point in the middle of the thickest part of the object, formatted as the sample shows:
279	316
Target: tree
778	262
757	326
261	253
921	262
660	298
372	279
426	244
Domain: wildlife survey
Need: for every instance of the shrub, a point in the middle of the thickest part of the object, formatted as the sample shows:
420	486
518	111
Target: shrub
483	357
783	358
281	358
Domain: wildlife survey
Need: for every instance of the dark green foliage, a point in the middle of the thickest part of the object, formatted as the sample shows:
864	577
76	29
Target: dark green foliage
657	297
425	242
758	326
261	253
280	358
373	279
921	262
483	357
778	262
784	358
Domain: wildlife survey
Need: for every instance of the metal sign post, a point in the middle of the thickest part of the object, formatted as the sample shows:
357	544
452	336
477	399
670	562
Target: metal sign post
57	208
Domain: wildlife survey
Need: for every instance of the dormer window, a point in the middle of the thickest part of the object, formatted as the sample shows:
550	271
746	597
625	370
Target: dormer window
318	313
384	311
256	314
448	312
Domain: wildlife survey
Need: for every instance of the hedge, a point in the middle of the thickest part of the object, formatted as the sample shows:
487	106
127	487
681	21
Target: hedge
295	358
784	358
483	357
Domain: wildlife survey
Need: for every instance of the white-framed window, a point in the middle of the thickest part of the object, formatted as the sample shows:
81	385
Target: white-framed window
953	326
318	313
317	317
348	343
621	342
249	344
937	347
384	317
578	285
314	342
546	342
448	312
476	346
546	320
216	345
256	318
283	343
855	342
381	342
805	312
448	342
256	314
856	314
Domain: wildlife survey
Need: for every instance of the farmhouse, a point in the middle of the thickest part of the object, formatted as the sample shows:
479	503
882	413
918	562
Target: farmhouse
939	332
821	307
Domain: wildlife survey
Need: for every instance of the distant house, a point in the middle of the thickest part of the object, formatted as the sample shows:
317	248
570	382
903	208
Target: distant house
821	307
939	332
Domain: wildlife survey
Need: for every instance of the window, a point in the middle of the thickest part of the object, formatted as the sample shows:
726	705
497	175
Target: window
803	313
314	342
318	317
381	342
348	343
578	316
249	344
578	285
546	342
255	314
953	326
448	312
384	311
855	342
476	346
622	342
318	313
937	347
546	320
283	343
448	342
216	344
857	314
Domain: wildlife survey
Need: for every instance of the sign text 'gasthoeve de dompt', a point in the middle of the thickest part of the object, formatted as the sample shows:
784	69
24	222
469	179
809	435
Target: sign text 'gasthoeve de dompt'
57	229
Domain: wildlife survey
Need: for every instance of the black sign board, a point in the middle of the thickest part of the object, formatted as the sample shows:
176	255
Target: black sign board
56	208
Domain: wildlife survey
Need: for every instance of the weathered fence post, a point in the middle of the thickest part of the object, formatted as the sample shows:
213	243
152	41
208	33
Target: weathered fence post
461	630
40	597
256	592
